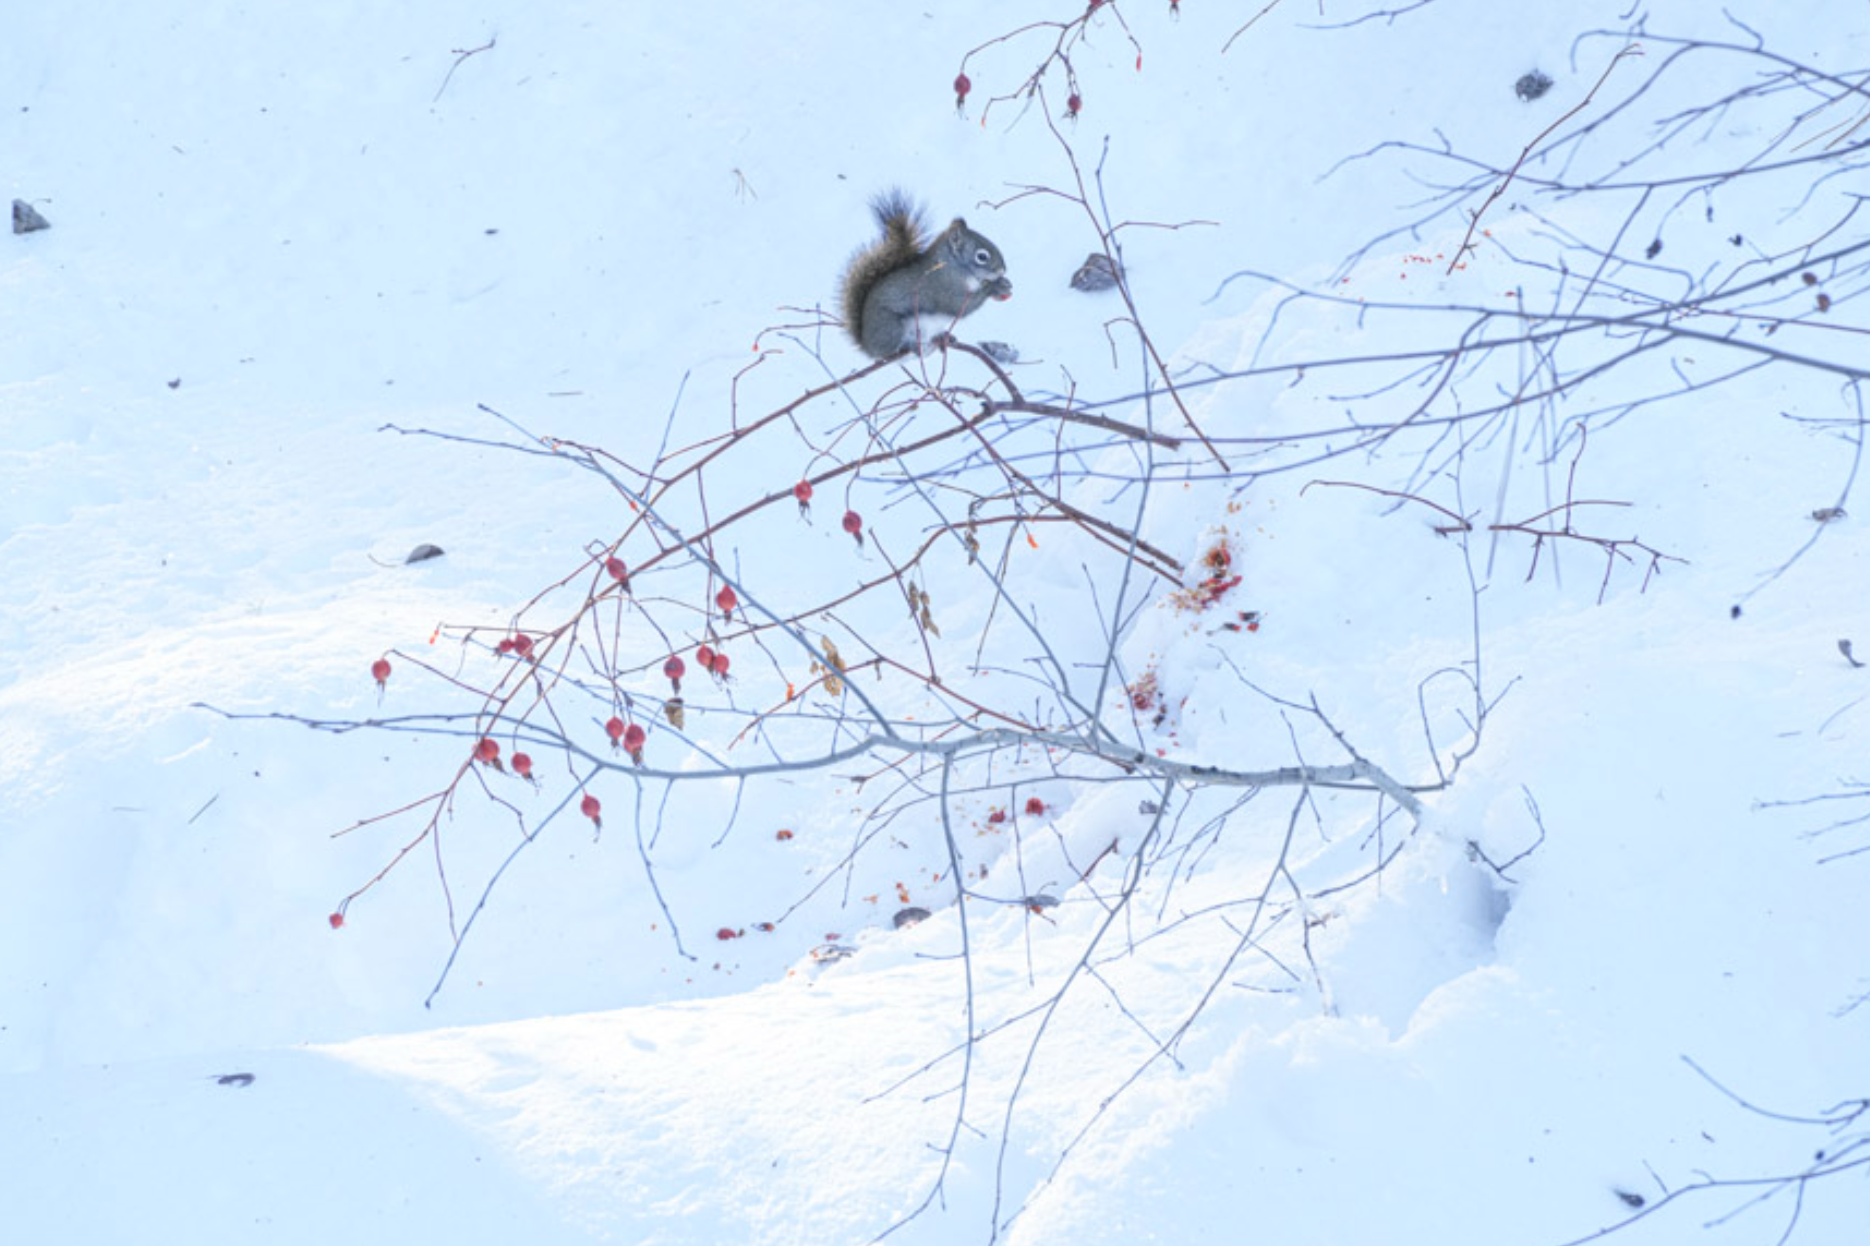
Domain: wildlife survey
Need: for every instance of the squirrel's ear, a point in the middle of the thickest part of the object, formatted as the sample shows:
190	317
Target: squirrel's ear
959	224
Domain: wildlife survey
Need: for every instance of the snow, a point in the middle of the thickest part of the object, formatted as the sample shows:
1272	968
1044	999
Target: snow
311	271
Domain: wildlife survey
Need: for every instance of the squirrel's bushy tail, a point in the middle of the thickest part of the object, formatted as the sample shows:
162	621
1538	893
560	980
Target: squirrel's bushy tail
905	236
896	209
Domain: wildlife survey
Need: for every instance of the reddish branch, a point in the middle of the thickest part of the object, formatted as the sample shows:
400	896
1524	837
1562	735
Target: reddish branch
1614	548
1467	242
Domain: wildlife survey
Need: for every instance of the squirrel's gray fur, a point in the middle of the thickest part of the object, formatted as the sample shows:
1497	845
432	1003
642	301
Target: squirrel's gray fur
904	289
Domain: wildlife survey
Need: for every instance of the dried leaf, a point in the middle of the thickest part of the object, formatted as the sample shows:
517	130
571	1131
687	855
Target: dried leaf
833	684
919	610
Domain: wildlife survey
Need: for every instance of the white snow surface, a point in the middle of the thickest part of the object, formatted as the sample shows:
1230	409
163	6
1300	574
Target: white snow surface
280	233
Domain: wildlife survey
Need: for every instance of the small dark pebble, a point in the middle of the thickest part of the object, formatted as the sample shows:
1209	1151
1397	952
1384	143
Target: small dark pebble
422	553
26	218
1098	272
1531	86
910	916
234	1079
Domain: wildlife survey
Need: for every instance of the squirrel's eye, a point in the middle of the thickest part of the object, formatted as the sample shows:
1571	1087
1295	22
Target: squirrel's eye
982	257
